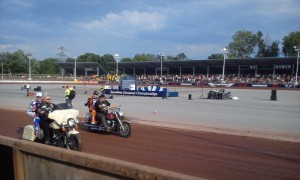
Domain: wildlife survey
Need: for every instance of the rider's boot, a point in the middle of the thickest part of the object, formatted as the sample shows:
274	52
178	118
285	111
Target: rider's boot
47	142
108	129
93	118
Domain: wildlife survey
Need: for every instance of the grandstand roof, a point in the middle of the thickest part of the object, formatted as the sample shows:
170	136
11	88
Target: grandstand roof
173	66
185	67
82	67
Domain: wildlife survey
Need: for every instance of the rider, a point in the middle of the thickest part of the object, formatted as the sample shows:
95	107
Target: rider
90	104
101	109
32	110
43	111
92	100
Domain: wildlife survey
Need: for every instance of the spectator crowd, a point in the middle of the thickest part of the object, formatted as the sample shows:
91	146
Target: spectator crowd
283	79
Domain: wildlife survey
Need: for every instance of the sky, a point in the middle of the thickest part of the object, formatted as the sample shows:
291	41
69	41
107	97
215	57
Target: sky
197	28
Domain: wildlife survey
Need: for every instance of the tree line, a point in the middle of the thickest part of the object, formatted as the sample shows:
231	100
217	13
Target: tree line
245	44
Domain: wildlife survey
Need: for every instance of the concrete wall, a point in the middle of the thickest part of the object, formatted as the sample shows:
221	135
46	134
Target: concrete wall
25	160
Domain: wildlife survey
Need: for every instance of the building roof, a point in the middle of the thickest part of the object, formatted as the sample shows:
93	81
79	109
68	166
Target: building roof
184	67
81	67
200	65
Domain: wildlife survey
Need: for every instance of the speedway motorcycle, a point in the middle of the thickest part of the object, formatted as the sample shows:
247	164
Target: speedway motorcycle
63	127
115	119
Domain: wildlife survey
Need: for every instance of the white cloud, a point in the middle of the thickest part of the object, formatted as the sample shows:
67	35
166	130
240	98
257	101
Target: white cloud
124	24
7	37
4	47
197	28
25	25
151	21
198	51
18	3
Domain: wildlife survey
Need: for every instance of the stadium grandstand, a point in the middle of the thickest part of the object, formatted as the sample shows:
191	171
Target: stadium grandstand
253	66
253	70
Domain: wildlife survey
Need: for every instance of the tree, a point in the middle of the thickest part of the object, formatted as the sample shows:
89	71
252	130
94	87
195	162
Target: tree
144	57
272	50
243	44
261	45
216	56
105	59
70	59
35	66
127	59
17	62
89	57
265	48
181	57
48	66
170	57
289	42
5	61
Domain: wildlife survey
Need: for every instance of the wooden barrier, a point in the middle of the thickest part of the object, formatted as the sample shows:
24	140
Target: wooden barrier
22	160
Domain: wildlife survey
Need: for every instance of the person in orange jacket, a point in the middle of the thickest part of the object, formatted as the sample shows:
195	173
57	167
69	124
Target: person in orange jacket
90	104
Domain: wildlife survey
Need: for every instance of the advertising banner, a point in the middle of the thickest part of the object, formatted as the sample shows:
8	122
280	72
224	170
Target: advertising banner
142	91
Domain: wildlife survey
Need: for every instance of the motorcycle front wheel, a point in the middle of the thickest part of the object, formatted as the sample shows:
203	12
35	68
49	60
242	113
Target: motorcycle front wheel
126	130
74	143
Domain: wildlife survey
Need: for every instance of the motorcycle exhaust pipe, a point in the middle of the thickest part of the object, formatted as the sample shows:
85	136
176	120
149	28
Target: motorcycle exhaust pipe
96	128
90	125
93	127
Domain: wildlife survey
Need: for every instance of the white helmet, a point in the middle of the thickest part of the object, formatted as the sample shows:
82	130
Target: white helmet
39	94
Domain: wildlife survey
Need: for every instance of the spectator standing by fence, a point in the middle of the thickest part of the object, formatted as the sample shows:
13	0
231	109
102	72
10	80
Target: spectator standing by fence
70	95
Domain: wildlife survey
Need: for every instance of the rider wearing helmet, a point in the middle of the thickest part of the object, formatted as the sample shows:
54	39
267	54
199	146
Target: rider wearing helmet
32	109
92	100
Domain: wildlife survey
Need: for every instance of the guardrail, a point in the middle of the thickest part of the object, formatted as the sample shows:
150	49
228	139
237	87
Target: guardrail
22	160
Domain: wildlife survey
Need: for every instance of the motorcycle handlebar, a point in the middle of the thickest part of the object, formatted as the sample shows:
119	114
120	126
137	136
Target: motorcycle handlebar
113	107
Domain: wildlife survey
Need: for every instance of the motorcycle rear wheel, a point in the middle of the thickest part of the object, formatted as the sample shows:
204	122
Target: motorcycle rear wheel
74	143
126	131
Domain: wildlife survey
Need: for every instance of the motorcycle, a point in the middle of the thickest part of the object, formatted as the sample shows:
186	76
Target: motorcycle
115	119
64	129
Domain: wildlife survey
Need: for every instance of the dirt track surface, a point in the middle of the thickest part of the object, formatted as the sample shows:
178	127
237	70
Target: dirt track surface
200	154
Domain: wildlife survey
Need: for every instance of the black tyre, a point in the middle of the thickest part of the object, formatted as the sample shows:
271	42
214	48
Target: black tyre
126	130
74	143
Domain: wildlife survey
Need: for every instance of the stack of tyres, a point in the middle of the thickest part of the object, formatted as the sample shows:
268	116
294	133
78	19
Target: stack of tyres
274	95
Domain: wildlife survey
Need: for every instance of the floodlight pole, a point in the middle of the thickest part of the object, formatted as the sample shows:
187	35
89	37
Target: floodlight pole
29	67
75	69
116	56
224	51
298	51
161	55
2	70
2	60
